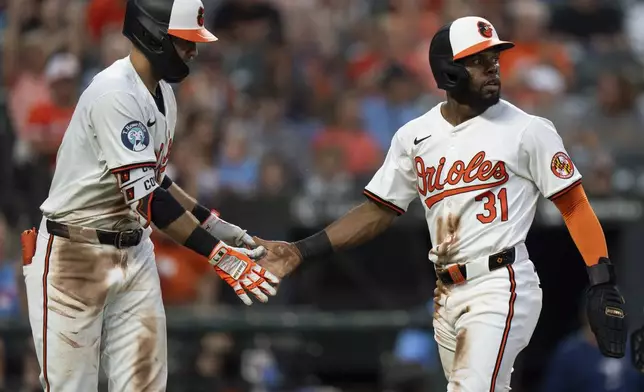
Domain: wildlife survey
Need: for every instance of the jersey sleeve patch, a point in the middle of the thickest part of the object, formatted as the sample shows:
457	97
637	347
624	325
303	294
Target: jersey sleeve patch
135	136
561	166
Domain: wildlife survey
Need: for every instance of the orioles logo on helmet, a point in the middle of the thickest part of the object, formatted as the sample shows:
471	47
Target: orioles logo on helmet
561	166
200	14
485	29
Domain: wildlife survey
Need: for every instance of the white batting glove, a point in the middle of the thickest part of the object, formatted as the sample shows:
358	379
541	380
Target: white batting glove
227	232
237	268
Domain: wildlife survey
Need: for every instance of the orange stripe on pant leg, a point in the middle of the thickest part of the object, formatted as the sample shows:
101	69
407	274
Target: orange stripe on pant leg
506	331
44	313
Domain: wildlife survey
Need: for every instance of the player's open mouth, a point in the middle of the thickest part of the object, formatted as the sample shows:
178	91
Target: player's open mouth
493	82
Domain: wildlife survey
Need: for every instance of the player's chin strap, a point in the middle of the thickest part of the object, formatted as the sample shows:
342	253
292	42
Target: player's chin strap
605	309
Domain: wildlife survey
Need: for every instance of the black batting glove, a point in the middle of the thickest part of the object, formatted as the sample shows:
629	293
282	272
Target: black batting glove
605	310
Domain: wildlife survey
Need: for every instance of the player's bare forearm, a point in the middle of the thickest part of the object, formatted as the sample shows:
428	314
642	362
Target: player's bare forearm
359	225
180	229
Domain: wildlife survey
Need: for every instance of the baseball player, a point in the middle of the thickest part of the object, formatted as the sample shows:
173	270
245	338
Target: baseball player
91	280
478	164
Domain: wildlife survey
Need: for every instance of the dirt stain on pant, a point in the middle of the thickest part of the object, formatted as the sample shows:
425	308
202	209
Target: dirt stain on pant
147	366
440	291
460	358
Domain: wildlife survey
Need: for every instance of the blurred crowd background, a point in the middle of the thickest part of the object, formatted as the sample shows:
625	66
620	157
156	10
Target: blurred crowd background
282	122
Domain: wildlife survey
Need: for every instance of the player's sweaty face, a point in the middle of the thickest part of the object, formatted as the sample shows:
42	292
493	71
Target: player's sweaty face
485	79
187	50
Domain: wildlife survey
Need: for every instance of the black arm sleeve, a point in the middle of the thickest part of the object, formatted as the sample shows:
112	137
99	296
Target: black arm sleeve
163	209
201	213
166	183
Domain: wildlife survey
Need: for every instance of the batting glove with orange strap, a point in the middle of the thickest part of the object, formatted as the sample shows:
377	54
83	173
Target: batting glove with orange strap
237	268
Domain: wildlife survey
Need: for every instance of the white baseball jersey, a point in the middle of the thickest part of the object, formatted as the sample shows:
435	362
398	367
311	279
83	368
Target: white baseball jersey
116	126
478	181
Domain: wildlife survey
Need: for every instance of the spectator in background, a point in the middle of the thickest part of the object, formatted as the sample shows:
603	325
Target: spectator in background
384	113
613	114
577	365
103	16
595	24
24	62
186	278
208	87
327	193
48	119
537	69
238	168
278	135
113	46
10	301
345	131
199	144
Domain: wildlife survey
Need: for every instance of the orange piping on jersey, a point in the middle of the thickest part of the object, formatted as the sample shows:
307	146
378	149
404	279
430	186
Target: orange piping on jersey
430	201
44	313
384	202
506	331
582	223
134	166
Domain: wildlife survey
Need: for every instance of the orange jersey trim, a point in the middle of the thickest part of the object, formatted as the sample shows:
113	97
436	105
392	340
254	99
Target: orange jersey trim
133	166
582	223
506	330
383	202
44	313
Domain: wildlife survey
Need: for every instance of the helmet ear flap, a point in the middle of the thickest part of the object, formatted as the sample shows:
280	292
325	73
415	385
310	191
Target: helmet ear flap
449	76
456	76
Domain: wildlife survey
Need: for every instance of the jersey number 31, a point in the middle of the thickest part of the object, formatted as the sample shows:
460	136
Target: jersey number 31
491	211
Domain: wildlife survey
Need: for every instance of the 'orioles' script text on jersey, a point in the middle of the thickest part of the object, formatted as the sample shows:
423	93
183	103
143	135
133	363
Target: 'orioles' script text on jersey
479	181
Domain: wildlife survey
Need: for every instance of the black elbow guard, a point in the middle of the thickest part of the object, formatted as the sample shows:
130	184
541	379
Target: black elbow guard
163	208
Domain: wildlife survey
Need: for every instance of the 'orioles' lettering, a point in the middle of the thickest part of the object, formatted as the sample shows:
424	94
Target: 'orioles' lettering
162	158
429	178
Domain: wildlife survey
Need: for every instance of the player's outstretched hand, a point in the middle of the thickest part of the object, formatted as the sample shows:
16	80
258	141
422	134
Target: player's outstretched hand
237	268
281	258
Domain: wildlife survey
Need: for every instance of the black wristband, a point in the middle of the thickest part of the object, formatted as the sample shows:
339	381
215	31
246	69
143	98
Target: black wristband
201	241
201	213
316	245
602	272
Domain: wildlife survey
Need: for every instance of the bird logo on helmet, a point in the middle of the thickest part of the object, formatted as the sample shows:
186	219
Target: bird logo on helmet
150	26
485	29
461	38
200	16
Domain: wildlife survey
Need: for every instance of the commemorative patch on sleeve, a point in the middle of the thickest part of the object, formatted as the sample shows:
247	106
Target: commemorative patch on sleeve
561	166
135	136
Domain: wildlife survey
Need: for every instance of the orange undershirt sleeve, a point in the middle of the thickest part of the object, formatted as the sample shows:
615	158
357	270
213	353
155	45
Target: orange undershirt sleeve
582	223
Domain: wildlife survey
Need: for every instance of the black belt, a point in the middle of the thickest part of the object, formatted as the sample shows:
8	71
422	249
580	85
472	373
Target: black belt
457	273
119	239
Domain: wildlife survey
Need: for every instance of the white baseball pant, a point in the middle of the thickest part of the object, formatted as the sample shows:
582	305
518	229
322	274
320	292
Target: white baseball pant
95	304
481	326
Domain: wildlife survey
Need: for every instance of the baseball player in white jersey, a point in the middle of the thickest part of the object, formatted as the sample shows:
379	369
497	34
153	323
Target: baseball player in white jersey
479	165
91	279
